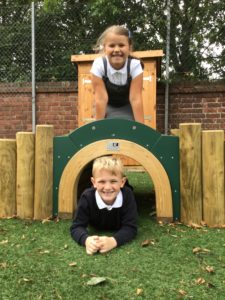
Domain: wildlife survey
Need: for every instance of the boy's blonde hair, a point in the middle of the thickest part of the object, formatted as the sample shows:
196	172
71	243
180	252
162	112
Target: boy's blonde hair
109	163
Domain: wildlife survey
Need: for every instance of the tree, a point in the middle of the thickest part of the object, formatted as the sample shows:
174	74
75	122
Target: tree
69	27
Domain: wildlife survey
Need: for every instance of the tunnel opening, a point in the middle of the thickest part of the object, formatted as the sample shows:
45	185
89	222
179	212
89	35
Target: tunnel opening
138	180
69	187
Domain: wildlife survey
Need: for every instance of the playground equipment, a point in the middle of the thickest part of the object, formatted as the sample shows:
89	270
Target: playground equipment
152	70
158	154
27	183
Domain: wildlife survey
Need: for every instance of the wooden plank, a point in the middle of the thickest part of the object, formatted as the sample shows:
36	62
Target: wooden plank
190	173
149	93
140	54
174	131
86	100
25	175
7	178
213	177
43	172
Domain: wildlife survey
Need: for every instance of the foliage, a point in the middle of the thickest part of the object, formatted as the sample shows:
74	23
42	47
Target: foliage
69	27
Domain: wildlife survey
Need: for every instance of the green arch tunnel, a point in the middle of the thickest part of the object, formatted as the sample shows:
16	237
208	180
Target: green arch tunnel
164	148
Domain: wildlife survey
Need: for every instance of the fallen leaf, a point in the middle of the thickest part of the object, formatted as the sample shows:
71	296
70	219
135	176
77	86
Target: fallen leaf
45	221
73	264
4	242
195	226
210	269
203	223
139	292
44	252
182	292
197	250
3	265
96	280
147	242
25	280
160	223
200	280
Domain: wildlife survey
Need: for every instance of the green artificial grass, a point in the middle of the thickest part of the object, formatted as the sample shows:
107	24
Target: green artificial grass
39	260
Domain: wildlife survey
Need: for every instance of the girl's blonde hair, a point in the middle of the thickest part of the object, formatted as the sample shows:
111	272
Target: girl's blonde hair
116	29
109	163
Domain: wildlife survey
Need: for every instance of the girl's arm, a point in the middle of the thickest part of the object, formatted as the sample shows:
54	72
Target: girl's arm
136	98
100	97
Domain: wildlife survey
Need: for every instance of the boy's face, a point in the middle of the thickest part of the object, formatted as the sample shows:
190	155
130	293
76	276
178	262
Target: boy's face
108	185
117	49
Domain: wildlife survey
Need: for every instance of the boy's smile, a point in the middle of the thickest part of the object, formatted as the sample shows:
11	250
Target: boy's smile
108	185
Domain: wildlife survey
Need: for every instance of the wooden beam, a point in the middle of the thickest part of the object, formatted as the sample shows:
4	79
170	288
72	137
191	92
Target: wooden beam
213	177
43	172
139	54
25	175
7	178
190	173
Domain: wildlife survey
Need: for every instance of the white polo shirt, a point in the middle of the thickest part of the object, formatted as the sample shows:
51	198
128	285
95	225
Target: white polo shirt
118	77
101	204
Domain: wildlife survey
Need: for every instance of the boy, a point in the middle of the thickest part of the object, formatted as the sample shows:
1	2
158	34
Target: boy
108	205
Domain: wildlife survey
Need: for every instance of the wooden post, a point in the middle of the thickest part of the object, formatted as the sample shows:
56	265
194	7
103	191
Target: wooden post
213	177
190	173
25	175
7	178
43	172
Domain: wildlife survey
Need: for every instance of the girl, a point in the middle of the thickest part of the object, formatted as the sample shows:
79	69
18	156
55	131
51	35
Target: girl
117	77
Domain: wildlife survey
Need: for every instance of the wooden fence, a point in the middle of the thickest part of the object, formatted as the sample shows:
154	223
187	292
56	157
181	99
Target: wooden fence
26	175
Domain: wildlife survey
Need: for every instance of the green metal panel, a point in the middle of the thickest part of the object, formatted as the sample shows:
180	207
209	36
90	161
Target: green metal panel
164	148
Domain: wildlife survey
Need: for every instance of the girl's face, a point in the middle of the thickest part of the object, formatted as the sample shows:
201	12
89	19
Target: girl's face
117	49
108	185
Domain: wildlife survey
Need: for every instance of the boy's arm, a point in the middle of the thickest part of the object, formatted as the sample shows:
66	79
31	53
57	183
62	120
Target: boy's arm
80	223
129	215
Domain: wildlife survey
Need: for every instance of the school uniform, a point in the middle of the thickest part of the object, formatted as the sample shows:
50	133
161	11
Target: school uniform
117	83
120	218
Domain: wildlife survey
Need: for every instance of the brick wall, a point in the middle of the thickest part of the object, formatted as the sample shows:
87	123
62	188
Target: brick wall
198	103
56	104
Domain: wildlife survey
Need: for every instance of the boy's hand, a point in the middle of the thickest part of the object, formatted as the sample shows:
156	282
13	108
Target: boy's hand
92	244
106	244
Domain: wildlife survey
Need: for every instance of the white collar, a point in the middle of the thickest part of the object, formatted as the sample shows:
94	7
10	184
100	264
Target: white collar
112	71
101	204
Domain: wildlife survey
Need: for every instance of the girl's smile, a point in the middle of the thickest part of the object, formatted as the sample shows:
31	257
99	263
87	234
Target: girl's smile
117	49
